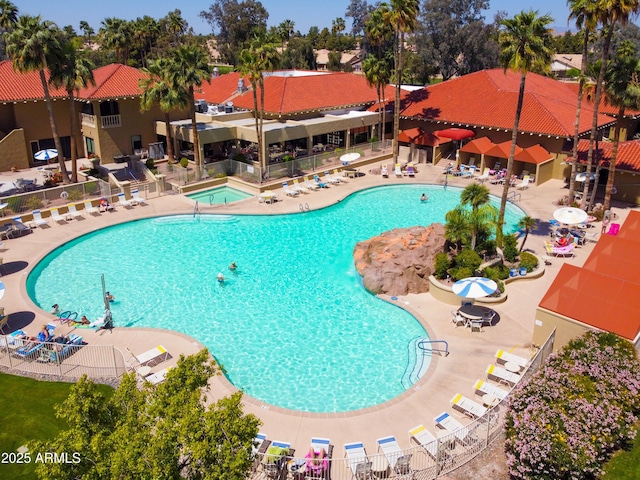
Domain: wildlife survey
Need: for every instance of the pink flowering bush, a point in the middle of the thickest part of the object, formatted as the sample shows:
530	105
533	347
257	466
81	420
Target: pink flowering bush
573	413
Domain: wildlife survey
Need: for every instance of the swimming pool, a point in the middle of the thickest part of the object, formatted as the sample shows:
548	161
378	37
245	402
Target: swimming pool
219	195
293	326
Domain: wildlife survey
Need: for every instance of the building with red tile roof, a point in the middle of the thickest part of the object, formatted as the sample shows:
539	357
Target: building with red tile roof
602	295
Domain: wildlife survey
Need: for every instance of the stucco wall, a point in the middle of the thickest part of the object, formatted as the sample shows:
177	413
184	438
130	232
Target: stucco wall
13	152
566	328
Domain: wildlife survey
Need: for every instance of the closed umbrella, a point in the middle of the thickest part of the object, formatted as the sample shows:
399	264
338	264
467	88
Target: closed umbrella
570	215
46	154
474	287
349	157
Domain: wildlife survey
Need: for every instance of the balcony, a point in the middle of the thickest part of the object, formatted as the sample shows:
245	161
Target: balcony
88	119
111	121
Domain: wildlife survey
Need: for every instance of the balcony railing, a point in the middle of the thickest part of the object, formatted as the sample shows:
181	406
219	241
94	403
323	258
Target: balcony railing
111	121
88	119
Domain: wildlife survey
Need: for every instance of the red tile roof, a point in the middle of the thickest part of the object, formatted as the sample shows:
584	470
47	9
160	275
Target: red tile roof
628	158
478	145
420	137
16	87
534	154
489	98
604	293
605	107
502	150
286	95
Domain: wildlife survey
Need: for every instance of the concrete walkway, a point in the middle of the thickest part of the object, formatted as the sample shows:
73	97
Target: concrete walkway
470	353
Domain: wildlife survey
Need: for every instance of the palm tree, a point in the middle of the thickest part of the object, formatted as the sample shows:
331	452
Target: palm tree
115	35
524	46
402	17
187	69
527	224
376	71
176	25
622	91
157	90
8	15
285	30
609	13
87	30
72	74
458	229
34	45
482	213
584	13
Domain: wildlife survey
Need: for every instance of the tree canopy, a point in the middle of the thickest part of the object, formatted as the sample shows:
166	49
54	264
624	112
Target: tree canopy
154	432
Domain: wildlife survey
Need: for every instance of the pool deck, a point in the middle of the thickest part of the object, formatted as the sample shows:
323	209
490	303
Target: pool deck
469	353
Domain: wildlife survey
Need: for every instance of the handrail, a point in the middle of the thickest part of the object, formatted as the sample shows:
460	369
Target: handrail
195	209
513	196
446	346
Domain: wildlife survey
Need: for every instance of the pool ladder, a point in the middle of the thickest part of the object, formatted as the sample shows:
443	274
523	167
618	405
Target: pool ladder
417	350
304	208
196	211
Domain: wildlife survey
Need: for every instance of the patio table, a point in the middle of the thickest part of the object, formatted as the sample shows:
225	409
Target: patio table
473	312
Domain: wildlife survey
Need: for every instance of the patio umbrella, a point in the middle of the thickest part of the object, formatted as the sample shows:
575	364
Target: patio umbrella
349	157
455	133
1	290
46	154
570	215
474	287
581	177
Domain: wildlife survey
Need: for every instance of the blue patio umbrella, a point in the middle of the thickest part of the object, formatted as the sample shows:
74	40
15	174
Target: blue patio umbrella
46	154
474	287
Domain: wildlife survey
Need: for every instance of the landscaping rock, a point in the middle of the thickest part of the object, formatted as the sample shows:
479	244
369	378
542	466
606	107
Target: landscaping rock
400	261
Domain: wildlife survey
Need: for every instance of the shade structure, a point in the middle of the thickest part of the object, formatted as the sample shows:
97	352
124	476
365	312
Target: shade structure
456	133
474	287
581	177
570	215
349	157
46	154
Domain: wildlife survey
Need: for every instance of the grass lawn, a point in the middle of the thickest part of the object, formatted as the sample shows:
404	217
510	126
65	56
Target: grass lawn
624	465
27	413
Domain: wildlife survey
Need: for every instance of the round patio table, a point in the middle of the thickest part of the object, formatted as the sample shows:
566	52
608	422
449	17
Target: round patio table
473	312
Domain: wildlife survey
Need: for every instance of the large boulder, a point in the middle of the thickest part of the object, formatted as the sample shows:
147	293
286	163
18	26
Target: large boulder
400	261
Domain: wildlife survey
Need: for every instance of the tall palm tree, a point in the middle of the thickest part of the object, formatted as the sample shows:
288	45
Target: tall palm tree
115	34
8	19
585	14
402	17
622	91
527	224
87	30
157	90
376	71
482	213
72	74
34	45
525	43
187	69
610	13
457	228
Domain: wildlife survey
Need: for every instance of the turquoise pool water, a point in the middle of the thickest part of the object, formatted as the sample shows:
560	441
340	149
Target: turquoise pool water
293	326
219	195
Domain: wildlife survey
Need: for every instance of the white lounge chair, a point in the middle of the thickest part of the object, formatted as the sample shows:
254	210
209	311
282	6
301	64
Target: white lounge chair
298	187
319	182
73	213
152	357
318	444
330	179
336	175
158	377
384	172
288	191
136	199
397	170
260	439
451	425
524	184
484	388
90	209
123	201
391	449
504	357
502	375
38	221
357	460
425	439
311	185
56	217
485	176
467	406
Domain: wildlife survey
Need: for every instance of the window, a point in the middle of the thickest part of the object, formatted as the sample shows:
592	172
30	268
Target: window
109	108
91	146
136	143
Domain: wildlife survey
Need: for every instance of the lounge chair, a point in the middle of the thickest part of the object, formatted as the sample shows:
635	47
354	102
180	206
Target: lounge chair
56	217
398	170
60	348
451	425
136	199
391	449
484	388
274	460
319	182
158	377
4	321
501	375
504	357
319	470
311	185
459	173
288	191
425	439
468	173
38	221
73	213
90	209
299	188
467	407
336	175
525	183
13	341
411	171
614	228
330	179
485	176
123	201
260	444
357	460
384	172
555	251
33	346
152	357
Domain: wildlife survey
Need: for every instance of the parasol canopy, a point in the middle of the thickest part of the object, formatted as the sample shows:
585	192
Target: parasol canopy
570	215
474	287
455	133
46	154
349	157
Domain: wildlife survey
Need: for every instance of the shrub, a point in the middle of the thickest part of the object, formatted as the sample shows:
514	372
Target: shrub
15	204
442	265
150	163
458	273
33	203
184	162
581	406
510	248
528	261
75	195
90	188
497	272
468	259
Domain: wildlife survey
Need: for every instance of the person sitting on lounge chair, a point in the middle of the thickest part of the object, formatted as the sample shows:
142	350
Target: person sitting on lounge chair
42	336
317	462
105	206
564	240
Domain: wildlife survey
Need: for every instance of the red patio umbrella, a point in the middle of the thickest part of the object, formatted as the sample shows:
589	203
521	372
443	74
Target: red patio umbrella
456	133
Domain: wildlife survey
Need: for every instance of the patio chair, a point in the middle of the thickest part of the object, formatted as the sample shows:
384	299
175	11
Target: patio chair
391	449
311	185
136	199
397	170
319	182
299	188
73	213
56	217
38	221
330	179
90	209
320	469
411	171
425	439
158	377
467	407
484	388
288	191
501	375
123	201
446	422
503	357
152	357
357	460
4	321
485	176
524	184
487	318
458	319
384	172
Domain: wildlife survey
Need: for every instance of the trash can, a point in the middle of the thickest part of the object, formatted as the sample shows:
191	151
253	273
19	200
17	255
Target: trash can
523	271
513	272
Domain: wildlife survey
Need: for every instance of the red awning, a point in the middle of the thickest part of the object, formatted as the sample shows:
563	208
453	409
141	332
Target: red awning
456	133
418	136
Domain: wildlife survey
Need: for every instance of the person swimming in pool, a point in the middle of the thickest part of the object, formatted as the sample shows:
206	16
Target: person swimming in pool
220	278
424	198
109	297
233	266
